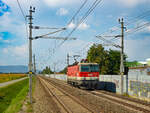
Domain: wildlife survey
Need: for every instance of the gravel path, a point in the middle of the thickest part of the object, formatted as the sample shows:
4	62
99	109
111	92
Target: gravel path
11	82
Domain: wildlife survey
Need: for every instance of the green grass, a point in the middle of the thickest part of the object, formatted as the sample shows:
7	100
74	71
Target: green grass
12	96
28	105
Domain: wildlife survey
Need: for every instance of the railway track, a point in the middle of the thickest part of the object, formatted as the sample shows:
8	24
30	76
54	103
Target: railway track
126	104
66	102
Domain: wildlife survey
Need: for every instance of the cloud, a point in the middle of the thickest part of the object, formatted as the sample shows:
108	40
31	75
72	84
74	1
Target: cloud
62	11
71	25
57	3
3	8
82	26
130	3
17	51
148	28
5	41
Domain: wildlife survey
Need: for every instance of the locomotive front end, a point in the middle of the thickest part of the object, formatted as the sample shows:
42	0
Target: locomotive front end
88	75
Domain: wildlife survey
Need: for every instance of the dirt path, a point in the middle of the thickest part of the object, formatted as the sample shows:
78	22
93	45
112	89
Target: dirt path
11	82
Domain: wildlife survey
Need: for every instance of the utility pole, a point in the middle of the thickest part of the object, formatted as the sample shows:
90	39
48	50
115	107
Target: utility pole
122	53
54	69
34	64
68	59
32	10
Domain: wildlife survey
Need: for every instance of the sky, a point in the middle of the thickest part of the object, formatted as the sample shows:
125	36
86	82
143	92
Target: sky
57	13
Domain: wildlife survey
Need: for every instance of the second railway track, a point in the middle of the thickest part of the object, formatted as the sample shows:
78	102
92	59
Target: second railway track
108	102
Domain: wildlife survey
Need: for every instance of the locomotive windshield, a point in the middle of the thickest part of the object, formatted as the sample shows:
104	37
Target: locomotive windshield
89	68
94	68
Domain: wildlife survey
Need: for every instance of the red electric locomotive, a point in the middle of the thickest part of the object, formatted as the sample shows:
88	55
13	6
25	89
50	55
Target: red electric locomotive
83	75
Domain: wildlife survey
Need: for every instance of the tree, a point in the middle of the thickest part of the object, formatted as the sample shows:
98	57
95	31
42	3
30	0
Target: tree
97	54
109	61
47	70
64	71
114	62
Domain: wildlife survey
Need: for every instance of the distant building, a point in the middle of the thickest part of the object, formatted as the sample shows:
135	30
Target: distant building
143	70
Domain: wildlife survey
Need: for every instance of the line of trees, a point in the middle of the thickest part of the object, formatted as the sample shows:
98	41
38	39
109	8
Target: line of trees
47	70
108	60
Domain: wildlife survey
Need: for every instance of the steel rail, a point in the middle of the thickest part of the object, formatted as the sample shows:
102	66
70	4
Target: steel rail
57	99
72	97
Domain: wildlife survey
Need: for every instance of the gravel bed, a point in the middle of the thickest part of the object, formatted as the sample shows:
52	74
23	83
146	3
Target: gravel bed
128	98
43	101
98	104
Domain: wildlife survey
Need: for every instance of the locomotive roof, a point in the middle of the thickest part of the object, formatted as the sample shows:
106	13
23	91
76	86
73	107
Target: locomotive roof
86	63
82	64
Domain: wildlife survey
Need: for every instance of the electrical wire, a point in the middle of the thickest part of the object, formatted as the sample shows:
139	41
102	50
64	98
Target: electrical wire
131	21
137	28
83	18
19	5
77	12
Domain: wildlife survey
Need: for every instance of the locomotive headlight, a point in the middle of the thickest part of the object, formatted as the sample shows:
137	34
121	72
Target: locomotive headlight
90	74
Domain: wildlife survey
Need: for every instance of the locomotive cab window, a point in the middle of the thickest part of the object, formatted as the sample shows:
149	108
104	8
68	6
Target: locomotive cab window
89	68
85	68
94	68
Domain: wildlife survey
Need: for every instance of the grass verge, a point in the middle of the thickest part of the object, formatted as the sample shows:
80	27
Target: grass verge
28	105
12	96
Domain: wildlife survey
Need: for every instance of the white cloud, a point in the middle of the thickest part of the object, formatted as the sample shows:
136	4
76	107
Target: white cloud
17	51
148	59
71	25
82	26
5	41
9	24
57	3
131	3
62	11
148	28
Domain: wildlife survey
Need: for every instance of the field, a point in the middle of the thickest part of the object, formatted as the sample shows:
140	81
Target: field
8	77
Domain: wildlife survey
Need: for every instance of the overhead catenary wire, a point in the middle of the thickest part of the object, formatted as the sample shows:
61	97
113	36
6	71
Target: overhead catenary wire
130	21
83	18
23	14
77	12
137	28
141	16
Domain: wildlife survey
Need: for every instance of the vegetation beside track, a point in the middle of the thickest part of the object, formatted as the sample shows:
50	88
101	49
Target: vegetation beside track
13	96
9	77
28	105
